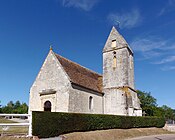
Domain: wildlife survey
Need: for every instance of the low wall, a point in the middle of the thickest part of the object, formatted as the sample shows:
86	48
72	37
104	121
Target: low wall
169	127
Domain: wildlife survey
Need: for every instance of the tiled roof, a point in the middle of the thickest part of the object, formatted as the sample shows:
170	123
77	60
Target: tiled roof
80	75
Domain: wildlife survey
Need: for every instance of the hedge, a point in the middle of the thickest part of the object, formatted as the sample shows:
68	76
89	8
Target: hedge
51	124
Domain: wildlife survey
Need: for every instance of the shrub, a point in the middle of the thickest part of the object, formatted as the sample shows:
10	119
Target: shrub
50	124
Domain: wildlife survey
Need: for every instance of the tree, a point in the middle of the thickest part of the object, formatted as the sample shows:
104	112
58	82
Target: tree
148	102
17	104
158	111
146	99
16	107
23	108
0	107
168	113
10	104
149	105
8	108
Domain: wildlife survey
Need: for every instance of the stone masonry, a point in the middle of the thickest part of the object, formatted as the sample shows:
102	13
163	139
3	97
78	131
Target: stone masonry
65	86
118	79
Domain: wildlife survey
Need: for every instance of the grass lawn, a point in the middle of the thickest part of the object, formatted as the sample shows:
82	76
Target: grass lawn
5	120
13	138
13	129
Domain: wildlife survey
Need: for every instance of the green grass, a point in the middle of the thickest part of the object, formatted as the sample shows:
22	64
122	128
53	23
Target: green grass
5	121
13	138
13	129
16	130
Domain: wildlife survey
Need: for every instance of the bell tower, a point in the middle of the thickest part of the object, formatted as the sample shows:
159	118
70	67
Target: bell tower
118	76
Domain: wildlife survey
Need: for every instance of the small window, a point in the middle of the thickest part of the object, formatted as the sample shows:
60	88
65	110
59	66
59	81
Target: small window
114	62
114	43
90	103
130	61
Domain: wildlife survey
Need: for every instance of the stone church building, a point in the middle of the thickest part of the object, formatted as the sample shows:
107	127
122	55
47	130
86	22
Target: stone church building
65	86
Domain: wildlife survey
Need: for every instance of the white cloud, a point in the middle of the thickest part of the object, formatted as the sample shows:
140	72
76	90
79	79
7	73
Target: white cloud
155	49
147	44
85	5
127	19
150	54
149	47
168	68
169	7
166	60
152	44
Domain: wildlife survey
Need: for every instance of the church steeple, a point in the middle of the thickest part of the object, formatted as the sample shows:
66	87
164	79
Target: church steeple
117	61
118	73
114	41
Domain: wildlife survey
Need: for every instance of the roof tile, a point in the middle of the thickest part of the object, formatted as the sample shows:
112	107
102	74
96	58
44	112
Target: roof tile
80	75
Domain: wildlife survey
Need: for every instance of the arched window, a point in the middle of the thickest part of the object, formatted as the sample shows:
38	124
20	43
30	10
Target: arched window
47	106
90	103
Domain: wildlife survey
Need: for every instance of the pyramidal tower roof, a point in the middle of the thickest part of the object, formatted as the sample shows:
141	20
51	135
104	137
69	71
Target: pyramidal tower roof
114	35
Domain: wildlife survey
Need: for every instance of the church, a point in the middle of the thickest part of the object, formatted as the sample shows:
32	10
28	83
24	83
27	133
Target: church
65	86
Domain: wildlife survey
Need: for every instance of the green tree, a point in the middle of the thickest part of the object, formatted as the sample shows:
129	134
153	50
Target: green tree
159	112
17	104
0	107
8	108
149	105
16	108
168	113
148	102
23	108
10	104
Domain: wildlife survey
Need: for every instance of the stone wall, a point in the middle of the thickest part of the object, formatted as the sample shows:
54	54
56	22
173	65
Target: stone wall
169	127
79	100
115	76
135	99
118	75
51	76
131	70
67	97
115	102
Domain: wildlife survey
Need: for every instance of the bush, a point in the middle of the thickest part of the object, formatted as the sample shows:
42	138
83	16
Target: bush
50	124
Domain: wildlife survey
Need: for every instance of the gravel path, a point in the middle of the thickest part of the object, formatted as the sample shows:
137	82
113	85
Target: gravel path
156	137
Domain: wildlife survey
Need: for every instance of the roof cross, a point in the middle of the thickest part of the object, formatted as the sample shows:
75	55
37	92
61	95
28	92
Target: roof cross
51	47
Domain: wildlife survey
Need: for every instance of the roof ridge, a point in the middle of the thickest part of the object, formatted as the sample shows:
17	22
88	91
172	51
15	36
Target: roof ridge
79	65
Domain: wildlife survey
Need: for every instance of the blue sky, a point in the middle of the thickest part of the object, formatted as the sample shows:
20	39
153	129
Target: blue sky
78	29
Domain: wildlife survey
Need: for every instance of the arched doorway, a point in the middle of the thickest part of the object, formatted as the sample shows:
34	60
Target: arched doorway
47	106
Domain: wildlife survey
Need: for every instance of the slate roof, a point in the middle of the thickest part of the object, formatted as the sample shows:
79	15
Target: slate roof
80	75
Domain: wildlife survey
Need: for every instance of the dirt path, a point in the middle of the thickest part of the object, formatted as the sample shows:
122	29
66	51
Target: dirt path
156	137
115	134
